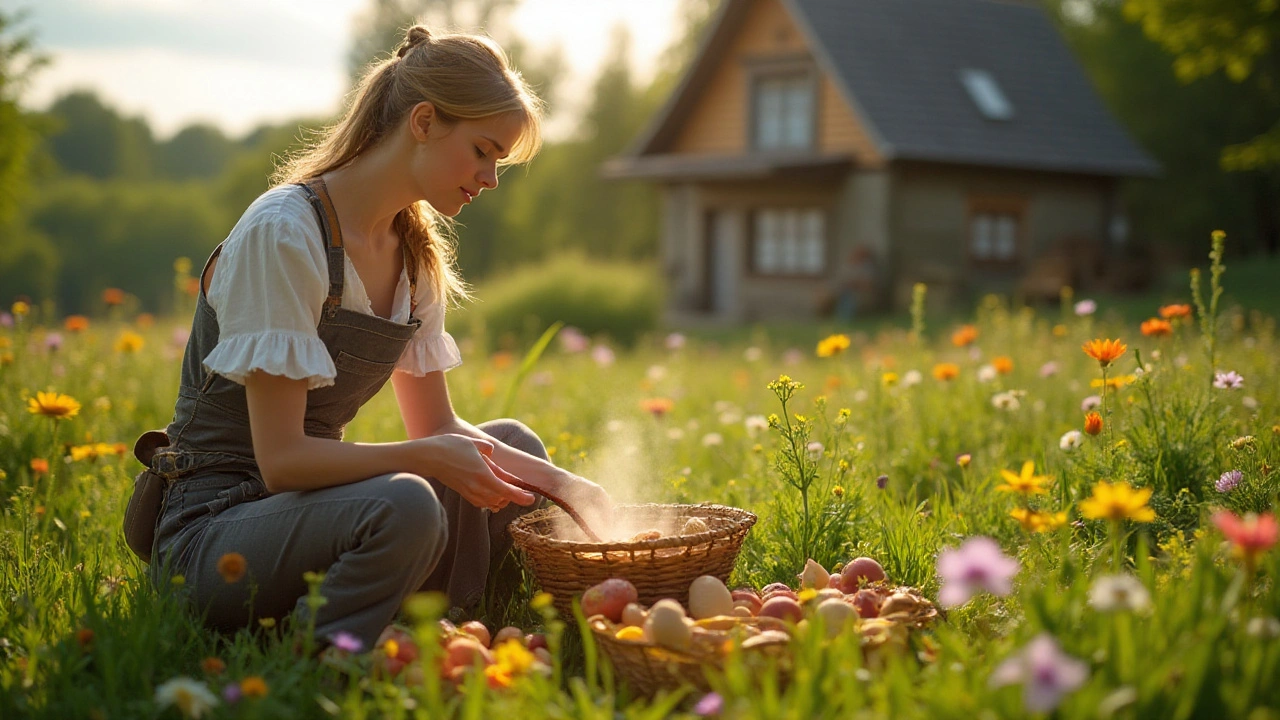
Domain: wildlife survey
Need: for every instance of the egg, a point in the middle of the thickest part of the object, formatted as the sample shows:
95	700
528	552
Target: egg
813	575
633	614
709	597
693	526
835	615
666	626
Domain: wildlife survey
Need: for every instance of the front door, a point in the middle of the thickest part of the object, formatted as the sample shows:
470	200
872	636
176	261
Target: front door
724	261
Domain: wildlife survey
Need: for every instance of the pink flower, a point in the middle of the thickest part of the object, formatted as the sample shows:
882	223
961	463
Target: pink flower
1086	307
53	341
344	640
710	704
1228	380
978	565
1093	402
602	355
1046	673
1049	369
674	341
572	340
1251	535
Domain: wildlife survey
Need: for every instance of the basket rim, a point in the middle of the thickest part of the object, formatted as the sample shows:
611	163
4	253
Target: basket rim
524	537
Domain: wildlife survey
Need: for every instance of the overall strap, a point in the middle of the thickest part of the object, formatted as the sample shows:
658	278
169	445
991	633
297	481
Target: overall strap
411	269
318	194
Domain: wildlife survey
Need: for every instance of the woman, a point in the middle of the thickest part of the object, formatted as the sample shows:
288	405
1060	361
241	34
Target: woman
332	282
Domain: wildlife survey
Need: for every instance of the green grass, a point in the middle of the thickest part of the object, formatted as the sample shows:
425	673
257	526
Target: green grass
1200	650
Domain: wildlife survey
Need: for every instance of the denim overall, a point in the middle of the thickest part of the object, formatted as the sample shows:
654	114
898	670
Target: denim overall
378	539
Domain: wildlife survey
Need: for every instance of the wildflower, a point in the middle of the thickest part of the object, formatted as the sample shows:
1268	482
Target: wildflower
946	371
752	354
1251	535
572	340
129	342
1093	423
710	704
145	320
1049	369
1025	482
1104	351
347	642
1249	402
502	360
1228	481
838	491
231	693
1118	501
977	565
541	601
39	466
1228	380
1005	401
987	373
963	459
53	342
833	345
1266	628
1003	364
497	676
84	637
814	449
657	406
1119	592
965	335
882	481
1037	520
674	341
1114	383
266	623
1093	402
1155	327
231	567
1173	312
712	440
113	296
1071	440
254	687
191	697
1244	442
1086	307
1046	673
514	656
754	424
889	379
911	377
54	405
213	666
1059	330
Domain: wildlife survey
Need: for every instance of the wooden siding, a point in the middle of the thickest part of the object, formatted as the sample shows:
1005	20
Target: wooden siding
718	122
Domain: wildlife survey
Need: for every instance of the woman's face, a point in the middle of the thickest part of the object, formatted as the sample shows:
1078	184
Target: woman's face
453	163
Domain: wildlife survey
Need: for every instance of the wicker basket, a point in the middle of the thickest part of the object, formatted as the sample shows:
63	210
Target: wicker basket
661	568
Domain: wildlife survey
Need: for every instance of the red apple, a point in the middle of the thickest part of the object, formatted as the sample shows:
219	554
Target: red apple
867	603
609	598
477	630
533	641
463	652
783	608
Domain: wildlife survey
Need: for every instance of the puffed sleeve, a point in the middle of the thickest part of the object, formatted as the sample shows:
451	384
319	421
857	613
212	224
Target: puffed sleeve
268	292
431	348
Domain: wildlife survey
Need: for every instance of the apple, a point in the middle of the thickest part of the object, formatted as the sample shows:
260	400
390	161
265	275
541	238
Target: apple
783	608
477	630
609	598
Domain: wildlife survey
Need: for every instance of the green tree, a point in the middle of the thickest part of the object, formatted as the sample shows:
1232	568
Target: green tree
196	151
94	140
19	132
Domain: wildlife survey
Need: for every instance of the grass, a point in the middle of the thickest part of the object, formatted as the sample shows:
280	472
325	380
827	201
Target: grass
83	634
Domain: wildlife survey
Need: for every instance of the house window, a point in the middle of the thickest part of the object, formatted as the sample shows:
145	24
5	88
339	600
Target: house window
784	112
789	242
993	236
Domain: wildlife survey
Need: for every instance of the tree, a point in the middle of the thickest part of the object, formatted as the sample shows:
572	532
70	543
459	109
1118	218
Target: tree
94	140
197	151
19	132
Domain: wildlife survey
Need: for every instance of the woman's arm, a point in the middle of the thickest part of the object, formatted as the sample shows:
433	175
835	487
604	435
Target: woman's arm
291	460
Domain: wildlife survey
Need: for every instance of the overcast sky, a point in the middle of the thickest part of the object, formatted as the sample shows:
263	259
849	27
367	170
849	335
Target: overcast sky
237	63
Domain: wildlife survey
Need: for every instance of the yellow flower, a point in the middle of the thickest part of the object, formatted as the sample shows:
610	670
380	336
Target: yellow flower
1114	383
1038	521
890	379
54	405
1025	482
20	308
1118	501
129	342
253	687
514	656
833	345
541	600
946	371
1059	330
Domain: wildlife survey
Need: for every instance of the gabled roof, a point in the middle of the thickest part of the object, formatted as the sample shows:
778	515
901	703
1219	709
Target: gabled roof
898	65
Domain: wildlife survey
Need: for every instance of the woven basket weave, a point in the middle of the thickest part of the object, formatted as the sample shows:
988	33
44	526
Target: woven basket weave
661	568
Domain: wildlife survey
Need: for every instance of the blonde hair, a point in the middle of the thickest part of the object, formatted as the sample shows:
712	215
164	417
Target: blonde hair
466	77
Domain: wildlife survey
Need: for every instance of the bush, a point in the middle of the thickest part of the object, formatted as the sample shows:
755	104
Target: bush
622	301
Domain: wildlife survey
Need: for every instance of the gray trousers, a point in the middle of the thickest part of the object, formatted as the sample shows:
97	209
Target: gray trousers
377	541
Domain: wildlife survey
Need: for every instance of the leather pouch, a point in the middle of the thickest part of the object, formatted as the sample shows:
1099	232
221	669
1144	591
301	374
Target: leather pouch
143	510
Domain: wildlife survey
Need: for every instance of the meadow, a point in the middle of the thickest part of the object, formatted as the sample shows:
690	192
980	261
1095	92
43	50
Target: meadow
1129	489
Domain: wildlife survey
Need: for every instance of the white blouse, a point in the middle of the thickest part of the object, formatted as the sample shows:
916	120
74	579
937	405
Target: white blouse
269	289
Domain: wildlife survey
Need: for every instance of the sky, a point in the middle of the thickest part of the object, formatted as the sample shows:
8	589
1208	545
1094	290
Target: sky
239	63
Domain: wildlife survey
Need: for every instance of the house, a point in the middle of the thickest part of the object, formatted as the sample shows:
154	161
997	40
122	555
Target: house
826	155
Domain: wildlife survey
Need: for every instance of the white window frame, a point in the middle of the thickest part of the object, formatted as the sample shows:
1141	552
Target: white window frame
784	107
788	242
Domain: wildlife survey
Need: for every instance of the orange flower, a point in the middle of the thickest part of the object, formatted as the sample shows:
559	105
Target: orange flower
1003	364
253	687
113	296
40	466
502	360
145	320
1104	351
84	636
1251	535
964	336
1155	327
75	323
658	406
213	666
946	371
1170	312
231	567
1093	423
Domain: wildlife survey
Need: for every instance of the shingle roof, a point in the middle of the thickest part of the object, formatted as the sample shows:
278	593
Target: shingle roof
899	60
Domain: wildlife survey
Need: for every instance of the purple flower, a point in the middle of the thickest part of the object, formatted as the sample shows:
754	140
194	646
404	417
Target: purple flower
231	693
1049	369
344	640
710	704
882	481
572	340
674	341
1229	480
1228	380
977	565
6	320
1046	673
53	341
1093	402
1086	307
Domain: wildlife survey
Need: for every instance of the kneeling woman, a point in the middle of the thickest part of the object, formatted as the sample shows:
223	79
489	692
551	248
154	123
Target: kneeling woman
332	282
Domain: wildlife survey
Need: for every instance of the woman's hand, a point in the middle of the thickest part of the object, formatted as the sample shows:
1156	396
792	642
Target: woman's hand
464	464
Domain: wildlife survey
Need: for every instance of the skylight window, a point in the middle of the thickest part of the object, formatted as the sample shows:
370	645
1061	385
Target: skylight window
986	94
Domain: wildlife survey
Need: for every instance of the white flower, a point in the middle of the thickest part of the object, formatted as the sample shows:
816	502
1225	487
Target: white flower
614	426
752	354
712	439
1119	592
911	377
860	395
1071	440
755	424
814	449
987	373
675	433
730	417
191	697
656	373
1006	401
